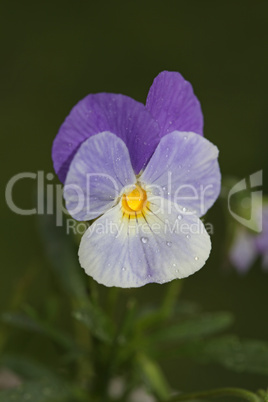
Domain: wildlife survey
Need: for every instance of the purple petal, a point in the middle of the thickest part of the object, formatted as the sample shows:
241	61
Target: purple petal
119	114
243	251
173	104
262	238
100	169
185	169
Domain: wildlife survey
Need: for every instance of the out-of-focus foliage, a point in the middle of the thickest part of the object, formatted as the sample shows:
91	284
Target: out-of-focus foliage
131	346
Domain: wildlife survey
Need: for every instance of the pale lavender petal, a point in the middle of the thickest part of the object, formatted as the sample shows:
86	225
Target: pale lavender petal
173	104
159	247
262	238
185	169
243	251
119	114
100	169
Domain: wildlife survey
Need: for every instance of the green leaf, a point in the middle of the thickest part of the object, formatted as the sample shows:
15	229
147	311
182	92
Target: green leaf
95	319
198	327
36	325
263	394
40	384
43	390
153	376
238	355
25	367
62	254
151	315
218	393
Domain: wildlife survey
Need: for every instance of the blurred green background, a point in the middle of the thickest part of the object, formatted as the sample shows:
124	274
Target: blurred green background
54	53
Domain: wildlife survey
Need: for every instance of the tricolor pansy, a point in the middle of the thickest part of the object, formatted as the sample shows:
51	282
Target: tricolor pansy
146	175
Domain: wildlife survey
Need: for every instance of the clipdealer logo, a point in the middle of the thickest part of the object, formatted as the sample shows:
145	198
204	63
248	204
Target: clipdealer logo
49	196
253	185
50	200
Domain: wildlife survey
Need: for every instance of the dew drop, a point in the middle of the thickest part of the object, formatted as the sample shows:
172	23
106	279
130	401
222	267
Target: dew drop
123	269
188	236
176	270
164	188
196	258
144	240
180	217
169	243
174	265
185	137
184	209
149	276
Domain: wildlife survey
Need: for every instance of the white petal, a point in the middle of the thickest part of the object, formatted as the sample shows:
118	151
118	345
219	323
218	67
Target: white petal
159	247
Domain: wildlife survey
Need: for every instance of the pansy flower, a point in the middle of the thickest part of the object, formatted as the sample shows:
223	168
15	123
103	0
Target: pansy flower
247	245
146	175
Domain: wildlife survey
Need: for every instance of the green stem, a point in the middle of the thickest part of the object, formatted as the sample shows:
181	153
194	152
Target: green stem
171	298
214	393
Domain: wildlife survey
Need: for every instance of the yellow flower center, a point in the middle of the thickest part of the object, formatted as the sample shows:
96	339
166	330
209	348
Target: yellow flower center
135	202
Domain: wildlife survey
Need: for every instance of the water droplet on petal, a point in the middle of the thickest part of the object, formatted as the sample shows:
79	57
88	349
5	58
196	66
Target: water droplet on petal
169	243
164	188
188	236
185	137
123	269
184	209
174	265
144	240
196	258
176	270
180	217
